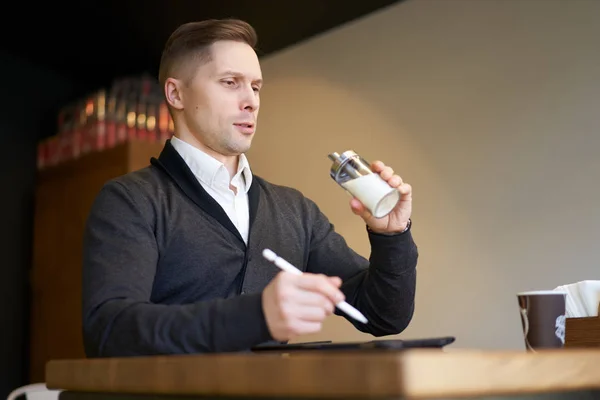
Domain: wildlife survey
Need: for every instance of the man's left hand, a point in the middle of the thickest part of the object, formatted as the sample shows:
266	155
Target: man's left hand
397	220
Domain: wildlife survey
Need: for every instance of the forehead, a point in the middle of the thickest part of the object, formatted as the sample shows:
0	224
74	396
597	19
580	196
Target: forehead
234	56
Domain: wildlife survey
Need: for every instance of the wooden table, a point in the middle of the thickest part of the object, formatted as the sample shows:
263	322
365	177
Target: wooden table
411	374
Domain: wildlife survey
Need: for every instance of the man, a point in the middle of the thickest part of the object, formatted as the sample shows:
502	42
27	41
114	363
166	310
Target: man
172	257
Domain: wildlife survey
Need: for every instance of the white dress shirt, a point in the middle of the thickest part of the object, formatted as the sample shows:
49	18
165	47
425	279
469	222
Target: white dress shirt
214	178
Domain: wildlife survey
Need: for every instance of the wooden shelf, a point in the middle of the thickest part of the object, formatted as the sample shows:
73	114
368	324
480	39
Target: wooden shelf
64	195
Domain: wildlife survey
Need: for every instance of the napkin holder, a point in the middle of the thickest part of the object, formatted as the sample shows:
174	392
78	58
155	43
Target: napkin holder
582	332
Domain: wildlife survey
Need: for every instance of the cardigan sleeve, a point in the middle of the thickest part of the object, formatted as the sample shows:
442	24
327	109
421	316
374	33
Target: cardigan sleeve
120	257
382	287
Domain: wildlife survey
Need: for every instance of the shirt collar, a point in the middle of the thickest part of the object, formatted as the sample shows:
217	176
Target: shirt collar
210	171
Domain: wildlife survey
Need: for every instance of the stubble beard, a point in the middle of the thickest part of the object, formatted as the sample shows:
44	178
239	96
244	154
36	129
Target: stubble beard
235	143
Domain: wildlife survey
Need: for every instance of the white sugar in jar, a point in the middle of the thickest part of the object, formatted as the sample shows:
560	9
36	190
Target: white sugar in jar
354	174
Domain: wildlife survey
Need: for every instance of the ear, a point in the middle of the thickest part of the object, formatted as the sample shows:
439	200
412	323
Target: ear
173	93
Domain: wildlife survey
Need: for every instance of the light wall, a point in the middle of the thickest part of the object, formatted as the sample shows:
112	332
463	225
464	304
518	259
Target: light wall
490	109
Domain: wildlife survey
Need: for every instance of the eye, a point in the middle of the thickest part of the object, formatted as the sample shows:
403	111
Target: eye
256	89
229	82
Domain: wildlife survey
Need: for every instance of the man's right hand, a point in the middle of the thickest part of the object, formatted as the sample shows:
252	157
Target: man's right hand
298	304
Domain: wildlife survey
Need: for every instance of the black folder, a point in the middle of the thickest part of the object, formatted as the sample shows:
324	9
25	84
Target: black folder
391	344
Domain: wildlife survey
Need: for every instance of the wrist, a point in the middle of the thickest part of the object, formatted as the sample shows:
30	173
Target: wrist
402	230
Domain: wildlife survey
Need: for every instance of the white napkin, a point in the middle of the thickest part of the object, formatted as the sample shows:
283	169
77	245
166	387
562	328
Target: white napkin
583	298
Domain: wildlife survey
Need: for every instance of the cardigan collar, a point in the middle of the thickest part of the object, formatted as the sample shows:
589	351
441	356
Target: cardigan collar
175	167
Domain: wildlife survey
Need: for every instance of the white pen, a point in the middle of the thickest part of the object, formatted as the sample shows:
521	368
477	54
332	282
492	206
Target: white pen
286	266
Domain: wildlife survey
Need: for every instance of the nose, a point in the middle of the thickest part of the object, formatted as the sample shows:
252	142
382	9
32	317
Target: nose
249	99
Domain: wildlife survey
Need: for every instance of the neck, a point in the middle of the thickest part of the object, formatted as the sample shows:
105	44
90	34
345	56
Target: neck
230	162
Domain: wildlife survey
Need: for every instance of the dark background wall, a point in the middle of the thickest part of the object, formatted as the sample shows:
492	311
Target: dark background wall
28	108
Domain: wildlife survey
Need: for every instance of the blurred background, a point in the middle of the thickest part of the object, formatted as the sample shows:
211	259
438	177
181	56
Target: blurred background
489	108
79	79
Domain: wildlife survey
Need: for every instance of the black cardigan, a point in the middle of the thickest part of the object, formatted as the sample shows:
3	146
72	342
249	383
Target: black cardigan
166	272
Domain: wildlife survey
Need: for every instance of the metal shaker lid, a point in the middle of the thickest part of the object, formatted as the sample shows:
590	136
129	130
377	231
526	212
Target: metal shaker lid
339	161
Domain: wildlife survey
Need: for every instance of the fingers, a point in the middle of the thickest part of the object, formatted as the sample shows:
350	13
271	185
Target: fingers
298	304
405	189
316	296
304	327
335	281
314	300
311	313
388	175
377	166
395	181
314	314
322	285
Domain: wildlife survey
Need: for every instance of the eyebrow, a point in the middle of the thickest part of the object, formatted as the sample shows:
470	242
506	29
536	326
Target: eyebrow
239	75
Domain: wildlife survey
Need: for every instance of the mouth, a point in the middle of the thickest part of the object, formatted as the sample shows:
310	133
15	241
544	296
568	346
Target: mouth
245	127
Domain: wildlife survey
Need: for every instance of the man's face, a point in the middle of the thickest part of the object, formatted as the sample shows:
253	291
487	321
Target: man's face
220	104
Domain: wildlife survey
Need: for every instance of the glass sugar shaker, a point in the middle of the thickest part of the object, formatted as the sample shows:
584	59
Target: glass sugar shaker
354	174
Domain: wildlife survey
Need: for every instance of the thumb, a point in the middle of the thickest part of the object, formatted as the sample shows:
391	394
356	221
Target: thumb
359	209
335	281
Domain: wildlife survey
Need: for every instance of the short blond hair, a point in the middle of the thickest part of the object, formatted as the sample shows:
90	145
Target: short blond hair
188	46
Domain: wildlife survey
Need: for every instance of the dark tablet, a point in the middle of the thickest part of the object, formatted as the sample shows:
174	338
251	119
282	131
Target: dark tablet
392	344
